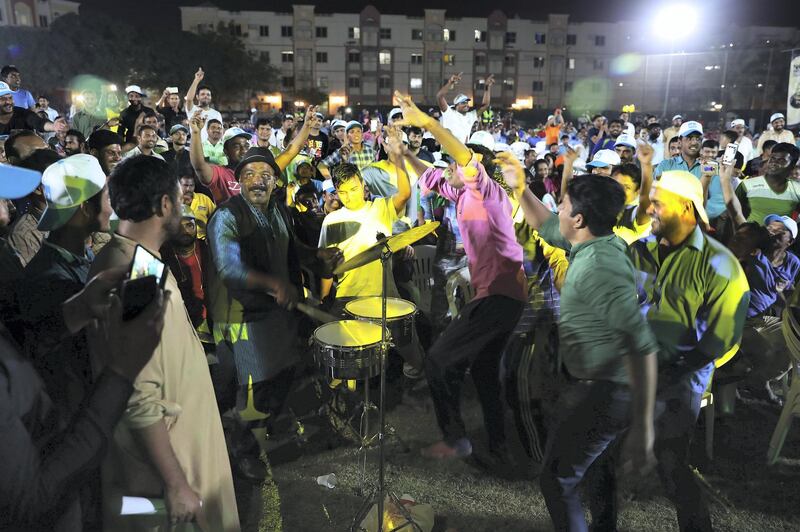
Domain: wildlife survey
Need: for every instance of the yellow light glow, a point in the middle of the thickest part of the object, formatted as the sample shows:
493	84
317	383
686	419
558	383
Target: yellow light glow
336	101
78	98
112	88
299	103
523	103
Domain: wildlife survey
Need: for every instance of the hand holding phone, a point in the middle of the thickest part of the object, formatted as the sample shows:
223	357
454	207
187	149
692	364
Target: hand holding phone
730	153
147	275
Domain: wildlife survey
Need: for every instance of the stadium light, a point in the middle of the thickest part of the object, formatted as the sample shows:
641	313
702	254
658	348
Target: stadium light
675	21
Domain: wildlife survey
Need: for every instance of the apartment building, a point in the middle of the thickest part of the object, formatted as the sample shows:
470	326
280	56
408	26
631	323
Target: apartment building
34	13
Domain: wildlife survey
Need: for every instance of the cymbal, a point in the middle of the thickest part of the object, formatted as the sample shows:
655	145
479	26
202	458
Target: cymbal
394	243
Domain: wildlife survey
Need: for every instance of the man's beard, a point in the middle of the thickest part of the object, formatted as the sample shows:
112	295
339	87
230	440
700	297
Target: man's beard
184	241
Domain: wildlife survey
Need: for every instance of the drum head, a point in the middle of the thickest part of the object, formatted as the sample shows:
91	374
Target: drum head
370	307
348	333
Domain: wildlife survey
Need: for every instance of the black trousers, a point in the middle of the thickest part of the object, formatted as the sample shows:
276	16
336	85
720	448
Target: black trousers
475	339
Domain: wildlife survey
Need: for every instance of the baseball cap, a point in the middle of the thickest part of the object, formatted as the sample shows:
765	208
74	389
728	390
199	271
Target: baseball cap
787	222
353	123
101	138
776	116
257	155
625	140
66	184
5	90
518	149
178	127
320	116
327	186
687	128
685	185
338	123
232	133
161	146
17	182
187	212
501	146
737	122
288	116
135	88
394	112
677	117
604	158
461	98
482	138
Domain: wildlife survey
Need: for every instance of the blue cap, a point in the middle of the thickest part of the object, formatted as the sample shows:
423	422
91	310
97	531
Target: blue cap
354	123
17	182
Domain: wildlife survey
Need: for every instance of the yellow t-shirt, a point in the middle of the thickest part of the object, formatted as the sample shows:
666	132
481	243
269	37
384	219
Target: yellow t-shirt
203	208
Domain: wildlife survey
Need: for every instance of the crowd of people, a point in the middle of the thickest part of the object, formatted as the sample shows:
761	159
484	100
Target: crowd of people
615	264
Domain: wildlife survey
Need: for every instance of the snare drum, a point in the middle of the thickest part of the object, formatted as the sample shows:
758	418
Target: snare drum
348	349
399	316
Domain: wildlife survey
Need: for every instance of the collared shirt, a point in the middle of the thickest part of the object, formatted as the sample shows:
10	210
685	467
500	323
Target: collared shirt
600	318
25	236
695	298
715	205
137	151
359	158
766	280
783	136
215	153
23	98
757	197
487	229
203	208
86	122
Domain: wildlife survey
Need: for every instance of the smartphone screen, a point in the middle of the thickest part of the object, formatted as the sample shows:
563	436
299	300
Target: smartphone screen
730	153
373	125
145	263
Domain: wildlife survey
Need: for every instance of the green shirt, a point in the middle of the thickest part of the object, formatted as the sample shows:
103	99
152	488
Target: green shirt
760	200
215	153
600	317
695	298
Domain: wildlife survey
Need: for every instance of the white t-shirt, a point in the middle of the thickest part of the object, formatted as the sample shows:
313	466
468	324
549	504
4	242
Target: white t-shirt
353	232
459	125
208	114
277	138
746	149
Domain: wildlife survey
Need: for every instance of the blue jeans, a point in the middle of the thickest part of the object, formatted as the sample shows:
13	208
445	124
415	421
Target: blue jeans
595	413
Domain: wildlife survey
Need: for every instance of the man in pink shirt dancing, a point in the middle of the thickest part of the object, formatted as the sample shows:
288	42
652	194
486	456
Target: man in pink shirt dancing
476	338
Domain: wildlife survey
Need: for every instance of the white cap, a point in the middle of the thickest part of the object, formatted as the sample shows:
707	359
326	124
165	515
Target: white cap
482	138
338	123
501	146
393	112
625	140
232	133
787	222
604	158
737	122
135	88
5	90
461	98
66	184
687	128
677	117
776	116
519	149
327	185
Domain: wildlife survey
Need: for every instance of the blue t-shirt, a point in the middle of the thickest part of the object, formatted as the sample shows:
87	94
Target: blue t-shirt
23	98
764	278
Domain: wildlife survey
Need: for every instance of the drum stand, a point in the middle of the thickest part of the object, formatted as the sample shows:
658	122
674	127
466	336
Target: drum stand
379	493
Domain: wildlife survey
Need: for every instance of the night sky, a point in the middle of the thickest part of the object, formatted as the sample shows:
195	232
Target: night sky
164	14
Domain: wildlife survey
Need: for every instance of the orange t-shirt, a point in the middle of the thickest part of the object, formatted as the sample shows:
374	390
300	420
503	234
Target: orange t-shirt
551	134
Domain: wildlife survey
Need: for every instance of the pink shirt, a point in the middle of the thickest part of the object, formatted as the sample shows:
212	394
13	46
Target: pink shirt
487	229
223	183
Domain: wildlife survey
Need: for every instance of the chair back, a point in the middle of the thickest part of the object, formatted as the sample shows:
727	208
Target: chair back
459	291
423	276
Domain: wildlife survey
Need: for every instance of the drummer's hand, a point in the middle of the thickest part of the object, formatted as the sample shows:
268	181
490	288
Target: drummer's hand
331	258
284	293
408	253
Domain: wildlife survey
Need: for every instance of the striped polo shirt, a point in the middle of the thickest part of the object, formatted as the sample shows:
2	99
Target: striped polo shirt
762	200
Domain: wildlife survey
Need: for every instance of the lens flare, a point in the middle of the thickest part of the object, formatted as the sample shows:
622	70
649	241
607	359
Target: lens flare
625	64
589	95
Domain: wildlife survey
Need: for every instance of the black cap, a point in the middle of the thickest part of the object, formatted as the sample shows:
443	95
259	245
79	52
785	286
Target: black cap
101	138
257	155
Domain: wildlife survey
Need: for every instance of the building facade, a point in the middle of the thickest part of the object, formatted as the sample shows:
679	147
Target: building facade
34	13
361	58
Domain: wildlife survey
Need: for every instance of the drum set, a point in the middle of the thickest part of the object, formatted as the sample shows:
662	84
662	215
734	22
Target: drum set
356	349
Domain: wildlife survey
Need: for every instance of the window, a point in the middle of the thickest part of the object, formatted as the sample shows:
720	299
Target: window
385	58
263	31
353	57
510	61
264	56
354	82
567	86
540	38
384	82
571	63
354	32
538	86
287	81
321	32
415	83
599	40
598	64
43	21
386	33
480	36
449	59
322	57
235	30
287	31
449	35
417	35
538	62
322	82
508	84
572	39
480	60
287	57
511	37
416	59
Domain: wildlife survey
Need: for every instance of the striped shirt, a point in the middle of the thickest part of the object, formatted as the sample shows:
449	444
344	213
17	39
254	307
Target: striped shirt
760	199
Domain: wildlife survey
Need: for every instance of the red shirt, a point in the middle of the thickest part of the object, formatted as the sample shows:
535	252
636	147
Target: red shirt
192	262
223	183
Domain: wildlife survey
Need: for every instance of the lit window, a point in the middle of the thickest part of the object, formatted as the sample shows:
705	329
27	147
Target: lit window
571	63
448	35
385	58
354	32
449	59
416	83
480	36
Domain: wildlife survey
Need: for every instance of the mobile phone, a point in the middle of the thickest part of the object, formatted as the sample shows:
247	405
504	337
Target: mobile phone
730	153
172	90
373	124
146	276
709	167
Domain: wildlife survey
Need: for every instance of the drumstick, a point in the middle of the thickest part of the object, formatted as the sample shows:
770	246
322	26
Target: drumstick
312	312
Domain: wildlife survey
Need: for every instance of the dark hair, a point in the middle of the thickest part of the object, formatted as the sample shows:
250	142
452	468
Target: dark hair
40	160
142	127
344	172
768	145
76	133
738	160
263	122
630	170
303	165
307	189
203	87
137	185
213	121
674	139
487	157
791	149
539	161
653	125
599	199
731	134
8	69
595	117
11	150
414	129
564	137
710	143
42	96
616	121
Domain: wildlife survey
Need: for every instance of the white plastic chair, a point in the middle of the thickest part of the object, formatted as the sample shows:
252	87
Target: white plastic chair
423	276
459	291
791	401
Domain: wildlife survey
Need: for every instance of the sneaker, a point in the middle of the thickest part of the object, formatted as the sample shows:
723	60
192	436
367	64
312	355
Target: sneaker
411	372
443	451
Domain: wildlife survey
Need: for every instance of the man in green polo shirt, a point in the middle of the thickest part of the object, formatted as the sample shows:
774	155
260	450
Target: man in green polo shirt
605	342
774	192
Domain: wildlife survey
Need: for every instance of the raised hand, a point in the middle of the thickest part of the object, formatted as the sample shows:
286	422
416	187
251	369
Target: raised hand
490	80
196	123
644	152
571	155
412	115
199	75
513	172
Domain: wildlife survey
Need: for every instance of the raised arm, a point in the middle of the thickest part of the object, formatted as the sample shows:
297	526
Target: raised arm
441	96
298	141
412	116
566	173
190	94
514	175
731	200
204	170
487	94
644	153
396	156
161	103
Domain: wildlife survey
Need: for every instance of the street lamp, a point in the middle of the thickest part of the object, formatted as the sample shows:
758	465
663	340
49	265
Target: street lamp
672	23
